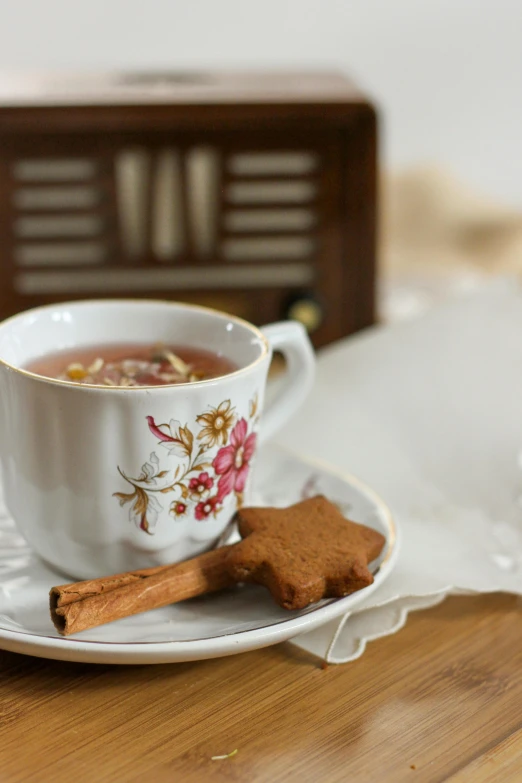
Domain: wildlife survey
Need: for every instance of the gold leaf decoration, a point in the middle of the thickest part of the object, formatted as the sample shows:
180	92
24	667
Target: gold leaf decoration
252	405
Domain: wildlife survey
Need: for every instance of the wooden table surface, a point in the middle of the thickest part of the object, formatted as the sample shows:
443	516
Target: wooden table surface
439	701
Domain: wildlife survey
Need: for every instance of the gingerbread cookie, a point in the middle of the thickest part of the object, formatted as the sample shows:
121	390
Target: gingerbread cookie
303	553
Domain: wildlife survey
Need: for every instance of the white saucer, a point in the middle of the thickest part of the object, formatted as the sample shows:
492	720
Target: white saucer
243	618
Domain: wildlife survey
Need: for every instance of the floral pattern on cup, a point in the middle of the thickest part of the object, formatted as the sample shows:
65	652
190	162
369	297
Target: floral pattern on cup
213	463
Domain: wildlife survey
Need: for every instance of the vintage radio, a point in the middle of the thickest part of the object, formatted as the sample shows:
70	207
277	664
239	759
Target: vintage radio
254	193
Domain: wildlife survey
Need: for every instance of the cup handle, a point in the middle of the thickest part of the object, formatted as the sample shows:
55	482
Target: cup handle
291	339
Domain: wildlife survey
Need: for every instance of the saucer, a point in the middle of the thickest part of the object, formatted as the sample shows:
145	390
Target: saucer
242	618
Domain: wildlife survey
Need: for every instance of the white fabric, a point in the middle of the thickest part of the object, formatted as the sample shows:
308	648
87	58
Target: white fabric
429	414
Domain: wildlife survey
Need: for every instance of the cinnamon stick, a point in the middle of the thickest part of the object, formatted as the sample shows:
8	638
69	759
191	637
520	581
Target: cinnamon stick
69	593
84	605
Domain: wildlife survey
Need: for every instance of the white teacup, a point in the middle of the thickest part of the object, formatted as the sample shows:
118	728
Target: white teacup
105	479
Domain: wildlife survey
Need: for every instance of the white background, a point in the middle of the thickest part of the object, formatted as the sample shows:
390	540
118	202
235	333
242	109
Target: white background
447	73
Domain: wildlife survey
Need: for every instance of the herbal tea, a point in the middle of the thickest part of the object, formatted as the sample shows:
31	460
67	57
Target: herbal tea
133	365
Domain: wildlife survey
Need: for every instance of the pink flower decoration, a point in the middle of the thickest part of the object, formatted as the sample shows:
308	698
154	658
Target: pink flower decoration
198	485
205	508
232	462
153	427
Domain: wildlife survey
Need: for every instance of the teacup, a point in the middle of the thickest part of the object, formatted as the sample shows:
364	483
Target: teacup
103	479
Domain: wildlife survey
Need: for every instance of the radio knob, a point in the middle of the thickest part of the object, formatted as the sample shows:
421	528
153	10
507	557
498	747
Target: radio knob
307	311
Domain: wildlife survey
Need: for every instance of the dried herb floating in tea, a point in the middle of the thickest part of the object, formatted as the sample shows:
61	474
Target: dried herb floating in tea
134	365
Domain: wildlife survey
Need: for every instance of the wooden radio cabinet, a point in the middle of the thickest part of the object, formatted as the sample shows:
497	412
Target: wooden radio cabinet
254	193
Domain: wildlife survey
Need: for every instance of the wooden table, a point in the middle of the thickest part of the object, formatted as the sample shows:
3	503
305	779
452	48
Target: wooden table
439	701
